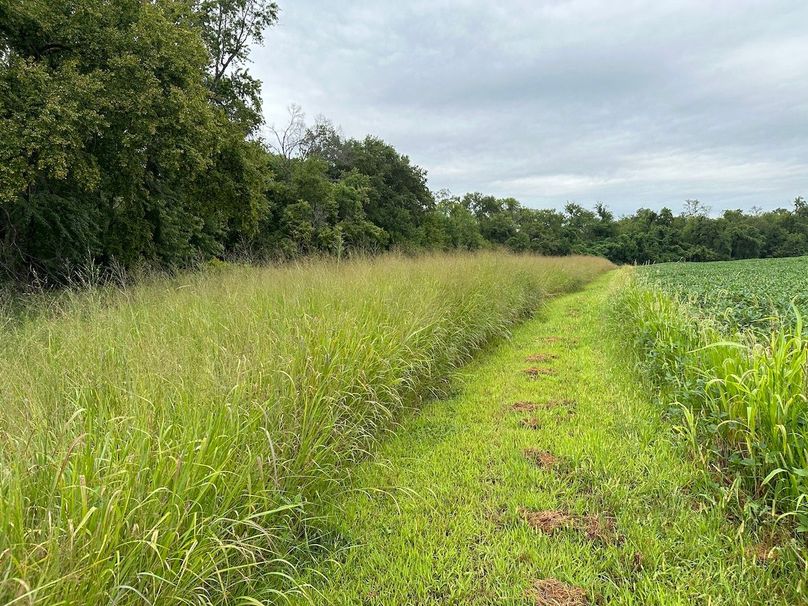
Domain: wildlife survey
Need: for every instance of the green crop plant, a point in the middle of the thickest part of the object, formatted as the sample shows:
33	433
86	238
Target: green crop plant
746	392
755	293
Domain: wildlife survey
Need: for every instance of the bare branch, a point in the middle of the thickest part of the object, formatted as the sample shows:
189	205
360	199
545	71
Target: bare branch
288	140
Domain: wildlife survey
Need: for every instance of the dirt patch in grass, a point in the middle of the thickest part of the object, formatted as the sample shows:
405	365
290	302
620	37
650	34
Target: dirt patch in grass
552	592
537	371
600	528
541	357
637	562
525	406
531	423
699	506
768	546
766	550
549	521
541	458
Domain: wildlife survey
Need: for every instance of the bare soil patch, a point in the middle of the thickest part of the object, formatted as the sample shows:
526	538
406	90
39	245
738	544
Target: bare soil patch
599	528
637	562
541	458
524	406
549	521
762	553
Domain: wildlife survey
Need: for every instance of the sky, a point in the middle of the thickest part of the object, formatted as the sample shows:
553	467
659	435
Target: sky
626	102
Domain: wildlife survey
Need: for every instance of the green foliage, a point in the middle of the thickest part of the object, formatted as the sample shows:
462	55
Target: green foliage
455	226
128	138
398	198
755	294
651	237
124	156
311	213
179	439
745	391
229	27
352	197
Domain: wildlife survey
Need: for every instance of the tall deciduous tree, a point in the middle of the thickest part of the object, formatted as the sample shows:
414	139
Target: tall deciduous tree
230	28
109	134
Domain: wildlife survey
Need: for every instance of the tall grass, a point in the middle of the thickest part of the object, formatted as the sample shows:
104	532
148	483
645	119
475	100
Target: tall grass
171	443
745	394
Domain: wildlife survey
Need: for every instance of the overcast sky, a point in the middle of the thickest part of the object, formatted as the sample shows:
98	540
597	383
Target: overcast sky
633	103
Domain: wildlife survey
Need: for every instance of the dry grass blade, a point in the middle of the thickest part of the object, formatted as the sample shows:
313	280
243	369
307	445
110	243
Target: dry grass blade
552	592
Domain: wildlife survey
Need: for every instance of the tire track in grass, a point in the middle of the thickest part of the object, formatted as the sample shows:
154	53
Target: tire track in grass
558	486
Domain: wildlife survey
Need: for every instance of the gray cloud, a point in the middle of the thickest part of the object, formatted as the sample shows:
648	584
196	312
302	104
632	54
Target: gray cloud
633	103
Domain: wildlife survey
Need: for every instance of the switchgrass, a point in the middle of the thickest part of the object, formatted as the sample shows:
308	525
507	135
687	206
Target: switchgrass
744	394
171	443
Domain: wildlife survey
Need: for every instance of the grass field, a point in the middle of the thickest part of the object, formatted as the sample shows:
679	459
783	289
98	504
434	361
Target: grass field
175	442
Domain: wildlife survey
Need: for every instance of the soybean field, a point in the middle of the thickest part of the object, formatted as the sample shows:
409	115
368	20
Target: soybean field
739	294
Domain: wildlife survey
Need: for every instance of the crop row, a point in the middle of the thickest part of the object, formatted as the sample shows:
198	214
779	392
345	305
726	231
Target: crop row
758	293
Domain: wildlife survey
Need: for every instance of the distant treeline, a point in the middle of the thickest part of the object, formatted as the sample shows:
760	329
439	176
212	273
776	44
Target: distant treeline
647	236
130	136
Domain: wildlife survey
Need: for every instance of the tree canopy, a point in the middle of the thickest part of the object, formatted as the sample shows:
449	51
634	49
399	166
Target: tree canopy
130	135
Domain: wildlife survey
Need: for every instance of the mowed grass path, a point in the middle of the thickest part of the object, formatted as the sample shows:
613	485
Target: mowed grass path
457	508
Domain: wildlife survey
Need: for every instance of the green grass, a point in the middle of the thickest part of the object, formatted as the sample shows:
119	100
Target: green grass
435	517
174	443
737	294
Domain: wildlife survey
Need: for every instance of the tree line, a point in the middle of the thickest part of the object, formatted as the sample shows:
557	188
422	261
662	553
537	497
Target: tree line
131	135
